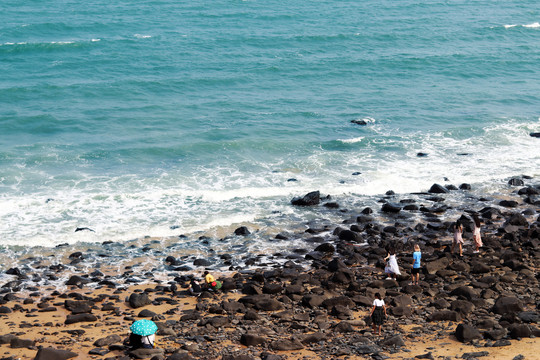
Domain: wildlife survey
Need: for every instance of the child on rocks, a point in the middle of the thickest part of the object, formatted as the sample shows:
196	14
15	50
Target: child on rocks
194	287
211	282
476	234
392	268
415	272
458	238
378	313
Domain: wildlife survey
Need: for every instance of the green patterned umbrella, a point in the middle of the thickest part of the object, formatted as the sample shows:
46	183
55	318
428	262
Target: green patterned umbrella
143	327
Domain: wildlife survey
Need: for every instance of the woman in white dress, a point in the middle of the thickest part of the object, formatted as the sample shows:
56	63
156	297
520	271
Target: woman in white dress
476	234
392	268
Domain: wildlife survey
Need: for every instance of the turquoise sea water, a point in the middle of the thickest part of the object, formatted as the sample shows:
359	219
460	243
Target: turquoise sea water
167	117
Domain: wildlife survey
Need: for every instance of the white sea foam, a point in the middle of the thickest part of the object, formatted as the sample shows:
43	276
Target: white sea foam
140	36
95	40
128	207
532	25
352	141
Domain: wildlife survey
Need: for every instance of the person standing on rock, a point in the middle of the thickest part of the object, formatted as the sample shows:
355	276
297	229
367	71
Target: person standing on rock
476	234
392	268
378	313
458	238
415	272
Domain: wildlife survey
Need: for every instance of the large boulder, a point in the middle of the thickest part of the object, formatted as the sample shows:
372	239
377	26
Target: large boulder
242	231
517	219
343	327
508	203
438	189
495	334
433	266
465	291
72	319
480	268
313	338
233	307
339	300
262	302
17	343
272	288
391	208
178	355
54	354
252	340
137	300
146	353
215	321
519	331
350	236
6	339
310	199
462	306
395	340
78	281
78	307
507	304
286	345
401	311
313	300
445	315
515	181
106	341
466	333
529	317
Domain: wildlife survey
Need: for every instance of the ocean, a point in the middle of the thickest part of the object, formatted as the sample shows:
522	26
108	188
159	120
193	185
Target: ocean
164	118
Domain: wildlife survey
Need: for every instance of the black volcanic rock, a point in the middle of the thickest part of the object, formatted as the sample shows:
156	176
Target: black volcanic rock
137	300
466	333
515	182
438	189
391	208
508	203
72	319
507	304
311	199
54	354
242	231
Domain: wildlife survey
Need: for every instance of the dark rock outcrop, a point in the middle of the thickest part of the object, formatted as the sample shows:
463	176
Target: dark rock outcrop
311	199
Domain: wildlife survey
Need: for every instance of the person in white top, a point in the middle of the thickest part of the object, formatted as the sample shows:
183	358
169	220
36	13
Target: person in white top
148	341
378	313
392	268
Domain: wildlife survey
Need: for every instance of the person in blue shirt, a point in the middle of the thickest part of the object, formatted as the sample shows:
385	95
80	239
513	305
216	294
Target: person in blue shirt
417	256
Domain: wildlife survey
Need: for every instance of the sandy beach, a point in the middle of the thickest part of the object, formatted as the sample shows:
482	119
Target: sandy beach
47	329
313	304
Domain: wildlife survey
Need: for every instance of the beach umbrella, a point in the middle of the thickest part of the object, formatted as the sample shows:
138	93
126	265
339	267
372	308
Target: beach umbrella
143	327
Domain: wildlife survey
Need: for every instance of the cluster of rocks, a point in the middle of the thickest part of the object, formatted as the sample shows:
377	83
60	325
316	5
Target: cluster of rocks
484	299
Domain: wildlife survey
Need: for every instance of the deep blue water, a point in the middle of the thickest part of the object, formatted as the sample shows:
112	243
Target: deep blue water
132	117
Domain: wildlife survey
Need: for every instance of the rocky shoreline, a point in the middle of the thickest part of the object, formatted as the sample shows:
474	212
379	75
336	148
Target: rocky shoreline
314	302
